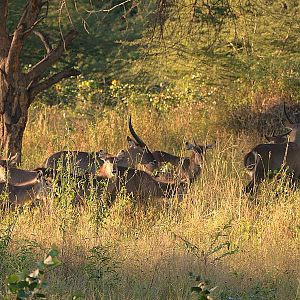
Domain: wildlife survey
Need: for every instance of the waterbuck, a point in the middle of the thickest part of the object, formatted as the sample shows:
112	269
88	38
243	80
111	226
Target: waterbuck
186	168
138	155
75	161
265	160
19	195
83	186
277	139
142	185
13	175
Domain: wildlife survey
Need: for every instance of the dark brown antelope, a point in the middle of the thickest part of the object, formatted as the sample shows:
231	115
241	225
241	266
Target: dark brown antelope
265	160
185	168
277	139
142	185
87	184
138	154
19	195
75	161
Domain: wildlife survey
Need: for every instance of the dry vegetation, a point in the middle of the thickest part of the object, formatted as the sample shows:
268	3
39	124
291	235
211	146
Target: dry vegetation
132	251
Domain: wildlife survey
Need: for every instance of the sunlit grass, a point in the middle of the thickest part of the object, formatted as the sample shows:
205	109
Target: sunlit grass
249	249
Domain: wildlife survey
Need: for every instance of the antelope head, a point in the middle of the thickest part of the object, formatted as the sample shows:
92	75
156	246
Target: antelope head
277	139
109	167
199	151
6	163
137	152
294	135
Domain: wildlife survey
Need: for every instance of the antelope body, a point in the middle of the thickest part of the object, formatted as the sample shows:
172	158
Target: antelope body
186	168
15	176
19	195
143	185
87	184
83	161
265	160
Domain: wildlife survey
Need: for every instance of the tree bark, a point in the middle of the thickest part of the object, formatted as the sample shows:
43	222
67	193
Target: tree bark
14	99
18	89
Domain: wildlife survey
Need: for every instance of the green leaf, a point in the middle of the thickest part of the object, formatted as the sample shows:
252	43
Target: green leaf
13	278
53	252
32	286
23	295
40	265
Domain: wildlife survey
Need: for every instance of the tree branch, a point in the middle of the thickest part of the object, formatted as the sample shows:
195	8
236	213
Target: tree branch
51	58
4	37
44	85
29	19
45	40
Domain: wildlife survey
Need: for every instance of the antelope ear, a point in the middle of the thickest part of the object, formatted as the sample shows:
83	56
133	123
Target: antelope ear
131	142
14	159
288	124
268	138
101	152
189	146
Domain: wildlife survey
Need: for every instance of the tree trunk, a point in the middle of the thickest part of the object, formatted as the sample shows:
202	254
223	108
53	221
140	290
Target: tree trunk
14	104
18	89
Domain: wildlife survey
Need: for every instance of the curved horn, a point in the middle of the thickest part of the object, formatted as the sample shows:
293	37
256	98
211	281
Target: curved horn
195	142
283	134
268	138
136	137
286	115
273	136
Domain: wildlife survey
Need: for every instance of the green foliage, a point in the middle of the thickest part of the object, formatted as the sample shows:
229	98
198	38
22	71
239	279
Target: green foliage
219	248
30	285
101	267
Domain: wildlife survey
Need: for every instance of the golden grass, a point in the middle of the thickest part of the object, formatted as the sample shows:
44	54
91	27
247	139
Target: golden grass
152	248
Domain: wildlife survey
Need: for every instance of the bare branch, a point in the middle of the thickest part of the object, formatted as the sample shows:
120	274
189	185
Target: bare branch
29	19
45	40
44	85
51	58
108	9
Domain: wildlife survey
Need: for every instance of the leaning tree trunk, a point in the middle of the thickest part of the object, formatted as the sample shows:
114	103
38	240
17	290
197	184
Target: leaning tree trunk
18	89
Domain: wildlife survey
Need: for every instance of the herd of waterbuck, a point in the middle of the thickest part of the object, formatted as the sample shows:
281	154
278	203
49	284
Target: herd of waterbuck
137	170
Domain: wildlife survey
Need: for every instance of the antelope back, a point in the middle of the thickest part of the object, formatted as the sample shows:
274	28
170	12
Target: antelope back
83	161
19	195
136	155
5	164
16	176
141	184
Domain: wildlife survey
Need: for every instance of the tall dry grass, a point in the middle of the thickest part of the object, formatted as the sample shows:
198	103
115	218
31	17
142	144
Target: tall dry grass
249	250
